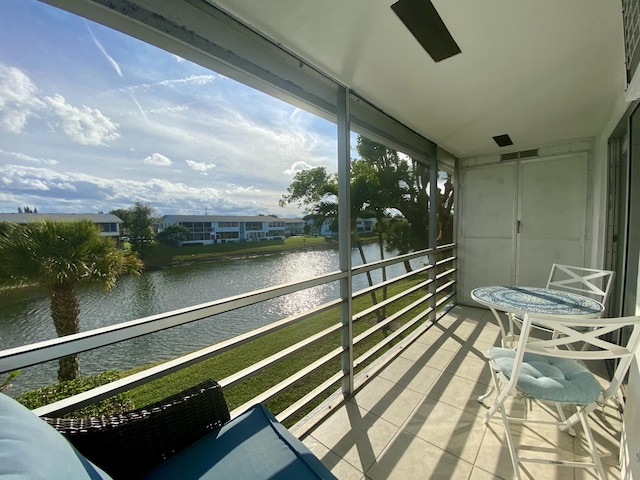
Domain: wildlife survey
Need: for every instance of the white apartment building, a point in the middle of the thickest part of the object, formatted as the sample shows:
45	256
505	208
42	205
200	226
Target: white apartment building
213	229
109	224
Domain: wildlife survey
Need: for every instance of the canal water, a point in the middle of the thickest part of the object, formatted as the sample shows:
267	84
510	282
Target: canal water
25	317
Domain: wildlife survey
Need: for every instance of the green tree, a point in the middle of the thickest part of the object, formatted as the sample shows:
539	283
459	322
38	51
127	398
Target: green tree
173	235
123	214
318	193
60	256
138	223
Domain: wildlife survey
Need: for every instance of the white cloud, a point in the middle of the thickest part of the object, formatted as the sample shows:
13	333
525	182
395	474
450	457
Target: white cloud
201	167
190	80
108	57
84	125
28	158
18	99
173	109
297	167
158	160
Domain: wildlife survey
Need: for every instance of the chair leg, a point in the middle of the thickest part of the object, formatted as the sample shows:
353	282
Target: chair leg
569	430
513	452
484	396
501	396
582	414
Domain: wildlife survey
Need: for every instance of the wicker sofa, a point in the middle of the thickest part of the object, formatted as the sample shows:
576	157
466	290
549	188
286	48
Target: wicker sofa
188	435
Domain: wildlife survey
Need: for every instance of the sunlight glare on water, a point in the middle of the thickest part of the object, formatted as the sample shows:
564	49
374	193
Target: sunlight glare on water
298	267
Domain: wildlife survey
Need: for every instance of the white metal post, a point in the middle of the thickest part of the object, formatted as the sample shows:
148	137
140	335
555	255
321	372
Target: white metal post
344	237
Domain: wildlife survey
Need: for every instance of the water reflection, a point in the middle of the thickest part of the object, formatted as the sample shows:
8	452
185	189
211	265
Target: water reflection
302	266
25	316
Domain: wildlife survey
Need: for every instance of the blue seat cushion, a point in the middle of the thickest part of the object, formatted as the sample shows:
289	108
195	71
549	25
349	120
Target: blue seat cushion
31	449
252	446
548	378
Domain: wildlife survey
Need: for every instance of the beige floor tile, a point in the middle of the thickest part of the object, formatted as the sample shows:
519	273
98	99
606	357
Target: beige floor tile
470	364
486	334
494	457
612	473
337	466
428	355
438	338
410	457
459	392
479	474
356	435
448	428
388	400
411	375
420	417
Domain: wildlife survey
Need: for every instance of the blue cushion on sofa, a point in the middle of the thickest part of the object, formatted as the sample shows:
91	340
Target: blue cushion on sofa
31	449
252	446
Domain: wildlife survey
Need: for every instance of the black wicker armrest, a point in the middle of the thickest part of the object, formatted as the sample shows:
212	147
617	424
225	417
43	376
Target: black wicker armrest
130	444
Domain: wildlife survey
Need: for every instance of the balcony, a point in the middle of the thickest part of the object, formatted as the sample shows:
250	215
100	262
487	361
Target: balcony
410	408
414	412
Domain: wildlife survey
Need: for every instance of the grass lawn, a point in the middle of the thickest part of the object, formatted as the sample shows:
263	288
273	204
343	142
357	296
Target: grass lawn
245	355
164	255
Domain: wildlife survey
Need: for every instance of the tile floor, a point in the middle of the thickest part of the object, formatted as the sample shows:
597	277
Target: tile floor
420	417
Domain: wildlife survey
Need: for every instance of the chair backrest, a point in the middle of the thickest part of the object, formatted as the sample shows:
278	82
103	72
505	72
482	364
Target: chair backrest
591	282
572	335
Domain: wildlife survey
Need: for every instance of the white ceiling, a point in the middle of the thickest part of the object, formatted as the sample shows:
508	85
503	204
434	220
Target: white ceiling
542	71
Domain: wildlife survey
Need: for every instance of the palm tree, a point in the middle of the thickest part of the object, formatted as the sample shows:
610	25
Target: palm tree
59	256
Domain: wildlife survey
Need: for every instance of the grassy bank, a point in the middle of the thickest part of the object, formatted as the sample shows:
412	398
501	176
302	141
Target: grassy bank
248	354
164	255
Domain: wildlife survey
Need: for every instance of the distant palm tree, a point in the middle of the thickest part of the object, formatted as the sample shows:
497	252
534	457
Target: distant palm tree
59	256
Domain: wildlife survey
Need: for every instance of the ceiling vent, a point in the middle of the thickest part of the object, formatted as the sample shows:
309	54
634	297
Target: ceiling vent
631	21
506	157
503	140
424	22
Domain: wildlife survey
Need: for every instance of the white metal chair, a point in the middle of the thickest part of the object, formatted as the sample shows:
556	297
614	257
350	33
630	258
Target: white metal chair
589	282
550	371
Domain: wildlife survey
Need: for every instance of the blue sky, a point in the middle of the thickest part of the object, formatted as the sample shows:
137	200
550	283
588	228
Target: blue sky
93	120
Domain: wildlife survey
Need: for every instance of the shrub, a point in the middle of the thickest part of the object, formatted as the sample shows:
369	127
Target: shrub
51	393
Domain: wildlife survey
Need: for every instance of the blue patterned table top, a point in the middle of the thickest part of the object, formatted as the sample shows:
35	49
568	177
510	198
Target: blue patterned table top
537	300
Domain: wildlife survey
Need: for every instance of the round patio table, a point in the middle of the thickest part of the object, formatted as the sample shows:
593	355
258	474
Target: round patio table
542	301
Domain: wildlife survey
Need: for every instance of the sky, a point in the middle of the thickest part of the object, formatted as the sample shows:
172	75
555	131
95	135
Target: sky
92	120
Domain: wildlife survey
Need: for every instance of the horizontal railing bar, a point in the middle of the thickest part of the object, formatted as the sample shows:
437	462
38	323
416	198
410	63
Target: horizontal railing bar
446	273
371	370
308	398
318	414
254	369
362	358
446	298
360	269
305	425
94	395
444	286
389	282
446	260
116	333
288	382
33	354
390	300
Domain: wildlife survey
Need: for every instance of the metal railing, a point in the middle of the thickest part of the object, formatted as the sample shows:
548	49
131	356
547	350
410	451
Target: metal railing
412	306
